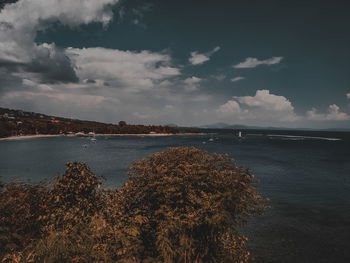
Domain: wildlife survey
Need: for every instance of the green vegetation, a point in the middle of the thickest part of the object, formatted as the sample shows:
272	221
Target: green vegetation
179	205
17	122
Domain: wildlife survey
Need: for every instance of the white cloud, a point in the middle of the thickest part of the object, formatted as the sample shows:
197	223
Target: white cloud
78	100
198	58
28	82
313	115
263	107
192	80
254	62
263	99
81	81
125	69
21	20
237	79
141	115
219	77
109	85
169	107
44	87
192	83
216	49
230	107
334	114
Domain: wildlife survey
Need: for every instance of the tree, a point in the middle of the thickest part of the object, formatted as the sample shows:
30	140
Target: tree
20	207
189	204
179	205
122	123
74	196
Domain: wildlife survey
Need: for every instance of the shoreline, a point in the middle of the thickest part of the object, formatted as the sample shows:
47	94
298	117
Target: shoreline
23	137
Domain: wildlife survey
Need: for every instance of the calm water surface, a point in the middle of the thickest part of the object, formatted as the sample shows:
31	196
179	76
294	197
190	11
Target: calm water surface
306	175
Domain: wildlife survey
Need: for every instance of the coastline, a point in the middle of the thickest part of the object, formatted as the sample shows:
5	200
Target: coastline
22	137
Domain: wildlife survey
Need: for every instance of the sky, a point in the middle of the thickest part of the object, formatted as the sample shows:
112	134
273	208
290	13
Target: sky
191	63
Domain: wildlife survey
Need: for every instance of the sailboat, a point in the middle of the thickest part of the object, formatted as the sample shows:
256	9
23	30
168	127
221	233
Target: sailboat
93	139
240	135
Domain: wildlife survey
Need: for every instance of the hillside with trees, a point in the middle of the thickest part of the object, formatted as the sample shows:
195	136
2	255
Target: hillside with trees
18	122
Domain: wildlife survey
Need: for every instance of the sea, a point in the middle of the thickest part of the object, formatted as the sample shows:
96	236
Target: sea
306	174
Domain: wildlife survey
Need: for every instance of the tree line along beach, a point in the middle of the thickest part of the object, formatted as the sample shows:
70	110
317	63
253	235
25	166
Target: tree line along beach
18	124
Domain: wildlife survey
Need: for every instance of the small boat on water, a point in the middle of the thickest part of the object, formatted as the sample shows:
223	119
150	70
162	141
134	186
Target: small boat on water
93	140
240	135
211	139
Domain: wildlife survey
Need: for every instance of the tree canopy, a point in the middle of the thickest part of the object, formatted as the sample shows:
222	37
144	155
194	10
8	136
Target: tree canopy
179	205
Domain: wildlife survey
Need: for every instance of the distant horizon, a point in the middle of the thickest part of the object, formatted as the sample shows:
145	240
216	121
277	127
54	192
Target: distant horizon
269	64
204	126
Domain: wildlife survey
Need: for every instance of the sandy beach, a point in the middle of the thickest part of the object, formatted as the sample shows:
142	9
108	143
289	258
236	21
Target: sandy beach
22	137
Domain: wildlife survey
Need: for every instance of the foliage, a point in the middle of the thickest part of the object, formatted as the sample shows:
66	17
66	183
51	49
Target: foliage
74	197
14	122
179	205
190	204
122	123
20	208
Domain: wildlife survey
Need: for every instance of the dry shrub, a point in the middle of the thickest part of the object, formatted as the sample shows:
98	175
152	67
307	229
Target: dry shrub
179	205
189	205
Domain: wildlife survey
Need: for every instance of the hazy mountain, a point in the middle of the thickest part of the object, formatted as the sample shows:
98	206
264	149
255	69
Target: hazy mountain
222	125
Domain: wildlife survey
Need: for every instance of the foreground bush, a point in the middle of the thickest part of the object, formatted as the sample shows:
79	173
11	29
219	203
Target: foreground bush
20	208
179	205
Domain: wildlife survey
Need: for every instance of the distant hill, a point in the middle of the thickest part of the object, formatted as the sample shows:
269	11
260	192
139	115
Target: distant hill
18	122
222	125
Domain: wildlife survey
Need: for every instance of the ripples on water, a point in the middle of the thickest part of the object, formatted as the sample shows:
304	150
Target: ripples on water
306	175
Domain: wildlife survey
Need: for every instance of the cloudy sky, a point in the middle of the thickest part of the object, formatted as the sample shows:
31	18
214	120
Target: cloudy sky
267	63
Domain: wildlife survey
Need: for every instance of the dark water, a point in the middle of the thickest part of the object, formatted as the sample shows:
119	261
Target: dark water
305	174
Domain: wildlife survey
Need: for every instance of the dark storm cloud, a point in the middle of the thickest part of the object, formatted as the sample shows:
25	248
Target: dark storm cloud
5	2
10	66
53	67
43	63
5	26
8	82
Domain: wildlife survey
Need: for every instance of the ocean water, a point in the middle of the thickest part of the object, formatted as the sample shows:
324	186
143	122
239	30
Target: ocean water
306	174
